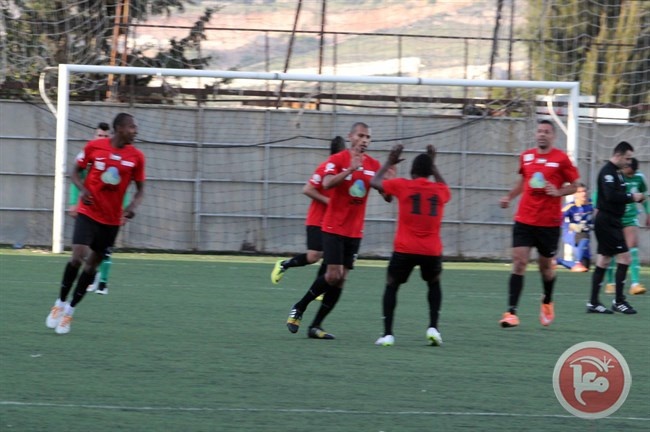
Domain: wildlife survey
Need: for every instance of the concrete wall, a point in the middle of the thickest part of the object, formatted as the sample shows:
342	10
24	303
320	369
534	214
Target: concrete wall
231	179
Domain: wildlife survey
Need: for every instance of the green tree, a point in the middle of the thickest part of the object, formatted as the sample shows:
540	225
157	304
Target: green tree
603	44
35	34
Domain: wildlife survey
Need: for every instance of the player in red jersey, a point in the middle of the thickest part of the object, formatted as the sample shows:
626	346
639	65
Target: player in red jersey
112	163
546	175
417	239
319	199
347	175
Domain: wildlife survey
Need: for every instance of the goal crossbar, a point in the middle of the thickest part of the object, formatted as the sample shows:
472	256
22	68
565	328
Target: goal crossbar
65	70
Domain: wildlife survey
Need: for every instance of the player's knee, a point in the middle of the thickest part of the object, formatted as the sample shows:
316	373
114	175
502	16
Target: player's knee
313	256
75	261
519	266
392	284
335	278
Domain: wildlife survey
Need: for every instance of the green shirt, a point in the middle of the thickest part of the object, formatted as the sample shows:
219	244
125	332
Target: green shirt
635	184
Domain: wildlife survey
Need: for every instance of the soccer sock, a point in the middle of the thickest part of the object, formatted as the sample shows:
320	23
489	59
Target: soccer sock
610	271
516	285
434	297
634	265
621	273
69	275
388	306
85	279
105	268
548	290
596	282
322	269
297	261
330	299
318	287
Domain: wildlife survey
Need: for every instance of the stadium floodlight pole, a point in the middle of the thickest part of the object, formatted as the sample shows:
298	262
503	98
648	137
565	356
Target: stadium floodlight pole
66	69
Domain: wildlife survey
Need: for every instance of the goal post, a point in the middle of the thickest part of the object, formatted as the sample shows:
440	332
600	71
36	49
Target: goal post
66	73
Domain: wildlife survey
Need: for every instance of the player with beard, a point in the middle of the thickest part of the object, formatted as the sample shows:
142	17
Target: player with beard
347	175
546	175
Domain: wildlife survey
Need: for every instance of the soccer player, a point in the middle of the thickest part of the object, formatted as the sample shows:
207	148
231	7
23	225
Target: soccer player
613	197
578	225
417	239
546	175
100	285
103	130
634	182
319	199
348	175
112	165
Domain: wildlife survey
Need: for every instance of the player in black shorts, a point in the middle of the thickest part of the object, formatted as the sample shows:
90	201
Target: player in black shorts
314	190
608	227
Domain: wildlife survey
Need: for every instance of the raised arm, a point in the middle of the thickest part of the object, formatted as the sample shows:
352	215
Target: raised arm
393	159
431	151
333	180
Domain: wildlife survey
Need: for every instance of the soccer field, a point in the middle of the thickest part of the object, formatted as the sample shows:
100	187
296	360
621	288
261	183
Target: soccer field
199	343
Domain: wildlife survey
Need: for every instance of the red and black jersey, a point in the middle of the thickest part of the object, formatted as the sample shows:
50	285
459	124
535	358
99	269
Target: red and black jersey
110	170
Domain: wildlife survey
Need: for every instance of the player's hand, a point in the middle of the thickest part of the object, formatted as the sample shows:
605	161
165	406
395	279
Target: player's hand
72	211
431	151
638	197
574	227
128	214
356	162
86	198
394	155
504	202
551	190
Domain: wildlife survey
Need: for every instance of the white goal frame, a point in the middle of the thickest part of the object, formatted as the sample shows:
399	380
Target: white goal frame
63	97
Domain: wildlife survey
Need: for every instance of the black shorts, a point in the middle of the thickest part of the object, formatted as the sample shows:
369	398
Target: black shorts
314	238
91	233
401	265
544	239
609	234
340	250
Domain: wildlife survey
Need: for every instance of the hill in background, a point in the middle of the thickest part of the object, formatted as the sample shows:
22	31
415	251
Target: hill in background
353	54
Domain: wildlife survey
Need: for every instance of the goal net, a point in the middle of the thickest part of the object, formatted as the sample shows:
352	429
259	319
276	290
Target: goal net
225	169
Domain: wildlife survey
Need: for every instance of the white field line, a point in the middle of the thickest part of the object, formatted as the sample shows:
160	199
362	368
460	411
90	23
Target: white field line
301	410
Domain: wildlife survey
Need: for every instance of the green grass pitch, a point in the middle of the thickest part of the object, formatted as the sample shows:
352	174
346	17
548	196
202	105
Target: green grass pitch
199	343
